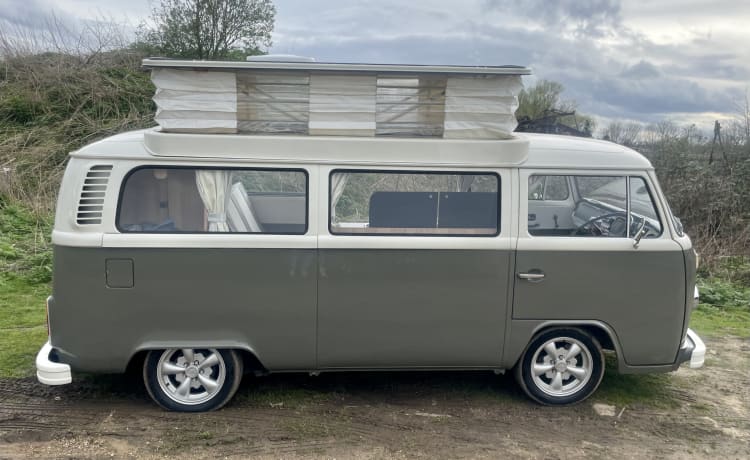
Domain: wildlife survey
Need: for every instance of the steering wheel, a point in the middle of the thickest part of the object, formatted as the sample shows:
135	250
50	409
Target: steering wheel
588	227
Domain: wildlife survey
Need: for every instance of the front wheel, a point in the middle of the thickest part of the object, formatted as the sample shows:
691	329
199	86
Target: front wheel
192	379
561	366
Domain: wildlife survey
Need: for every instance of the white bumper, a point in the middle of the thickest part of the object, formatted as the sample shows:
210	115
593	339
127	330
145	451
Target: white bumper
49	372
698	354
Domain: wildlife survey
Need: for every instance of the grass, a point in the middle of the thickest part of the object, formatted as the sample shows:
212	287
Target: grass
22	325
713	321
724	307
634	389
25	273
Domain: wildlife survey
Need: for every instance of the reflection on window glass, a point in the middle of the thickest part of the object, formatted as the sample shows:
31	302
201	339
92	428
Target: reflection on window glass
550	188
595	206
642	209
191	200
401	203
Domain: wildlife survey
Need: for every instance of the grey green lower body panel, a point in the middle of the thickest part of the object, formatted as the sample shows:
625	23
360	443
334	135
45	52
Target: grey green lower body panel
411	309
639	295
307	309
260	299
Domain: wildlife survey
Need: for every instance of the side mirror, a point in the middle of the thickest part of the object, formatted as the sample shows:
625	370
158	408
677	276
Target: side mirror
642	230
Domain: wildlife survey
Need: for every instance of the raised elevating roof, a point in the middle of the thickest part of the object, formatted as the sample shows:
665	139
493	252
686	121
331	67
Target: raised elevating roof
333	99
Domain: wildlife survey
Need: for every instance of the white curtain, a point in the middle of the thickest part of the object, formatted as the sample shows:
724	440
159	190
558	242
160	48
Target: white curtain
214	188
338	183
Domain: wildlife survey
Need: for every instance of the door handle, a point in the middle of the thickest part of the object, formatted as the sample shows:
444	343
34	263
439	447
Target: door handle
531	276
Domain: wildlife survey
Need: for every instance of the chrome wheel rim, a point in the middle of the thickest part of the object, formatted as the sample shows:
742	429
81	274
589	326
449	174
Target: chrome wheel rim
191	376
561	366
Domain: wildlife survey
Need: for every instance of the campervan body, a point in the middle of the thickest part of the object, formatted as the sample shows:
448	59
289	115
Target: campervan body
311	235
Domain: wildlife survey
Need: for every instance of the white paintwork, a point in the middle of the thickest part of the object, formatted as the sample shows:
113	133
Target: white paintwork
698	356
592	244
78	239
339	150
524	150
520	157
467	243
258	64
49	372
208	240
279	58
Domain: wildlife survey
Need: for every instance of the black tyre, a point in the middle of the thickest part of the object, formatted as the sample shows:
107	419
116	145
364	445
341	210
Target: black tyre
192	379
561	366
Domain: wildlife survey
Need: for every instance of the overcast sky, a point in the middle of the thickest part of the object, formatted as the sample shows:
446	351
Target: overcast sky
684	60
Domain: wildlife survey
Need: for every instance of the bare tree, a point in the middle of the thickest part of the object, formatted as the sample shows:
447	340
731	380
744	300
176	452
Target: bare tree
621	133
208	29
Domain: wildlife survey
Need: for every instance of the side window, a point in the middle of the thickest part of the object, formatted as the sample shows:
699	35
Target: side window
599	207
643	210
414	203
548	188
192	200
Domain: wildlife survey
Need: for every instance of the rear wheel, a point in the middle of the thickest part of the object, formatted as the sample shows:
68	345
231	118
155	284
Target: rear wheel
192	379
561	366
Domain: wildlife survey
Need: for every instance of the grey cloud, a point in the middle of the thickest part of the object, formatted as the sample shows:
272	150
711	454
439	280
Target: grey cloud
601	83
29	14
642	70
589	17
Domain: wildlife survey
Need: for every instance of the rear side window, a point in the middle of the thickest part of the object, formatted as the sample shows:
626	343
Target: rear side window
414	203
193	200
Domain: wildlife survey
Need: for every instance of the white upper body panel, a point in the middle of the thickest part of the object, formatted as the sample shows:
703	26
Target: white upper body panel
525	150
121	153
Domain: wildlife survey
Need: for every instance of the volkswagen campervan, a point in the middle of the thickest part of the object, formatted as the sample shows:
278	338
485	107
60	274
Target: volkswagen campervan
202	256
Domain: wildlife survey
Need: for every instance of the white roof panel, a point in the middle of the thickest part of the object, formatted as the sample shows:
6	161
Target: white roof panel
524	150
409	69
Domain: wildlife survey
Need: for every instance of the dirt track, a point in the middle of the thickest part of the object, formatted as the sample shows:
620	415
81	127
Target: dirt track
377	415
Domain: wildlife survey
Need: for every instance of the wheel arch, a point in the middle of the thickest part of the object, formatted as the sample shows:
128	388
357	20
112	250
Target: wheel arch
600	330
250	360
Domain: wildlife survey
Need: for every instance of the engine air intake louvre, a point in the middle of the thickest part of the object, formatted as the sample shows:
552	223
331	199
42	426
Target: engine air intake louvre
91	202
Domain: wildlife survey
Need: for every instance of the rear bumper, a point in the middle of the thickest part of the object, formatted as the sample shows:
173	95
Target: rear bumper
693	350
49	372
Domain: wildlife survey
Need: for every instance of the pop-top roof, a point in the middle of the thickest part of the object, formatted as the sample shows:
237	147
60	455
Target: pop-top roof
332	99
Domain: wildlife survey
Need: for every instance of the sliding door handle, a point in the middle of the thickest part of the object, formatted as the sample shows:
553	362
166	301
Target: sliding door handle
533	276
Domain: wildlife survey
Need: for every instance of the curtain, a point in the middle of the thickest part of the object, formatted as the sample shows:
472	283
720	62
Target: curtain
214	188
338	183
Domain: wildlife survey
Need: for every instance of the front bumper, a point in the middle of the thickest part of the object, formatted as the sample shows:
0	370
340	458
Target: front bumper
693	350
49	372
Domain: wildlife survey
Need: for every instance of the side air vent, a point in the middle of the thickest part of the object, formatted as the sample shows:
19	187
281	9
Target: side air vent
91	203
